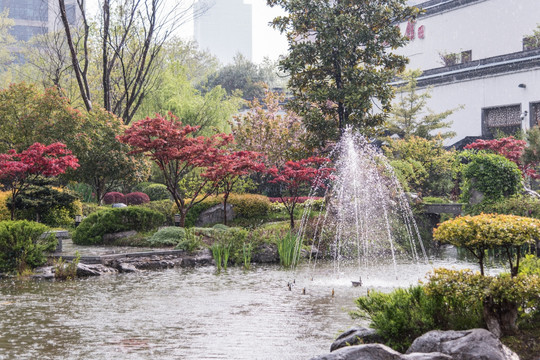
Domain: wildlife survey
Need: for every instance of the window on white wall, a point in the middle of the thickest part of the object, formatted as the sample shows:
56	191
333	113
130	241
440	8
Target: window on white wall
501	119
534	115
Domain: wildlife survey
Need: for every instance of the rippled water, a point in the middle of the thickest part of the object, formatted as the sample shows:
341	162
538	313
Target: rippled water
188	314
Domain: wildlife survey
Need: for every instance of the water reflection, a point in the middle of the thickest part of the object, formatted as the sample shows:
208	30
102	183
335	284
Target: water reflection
187	314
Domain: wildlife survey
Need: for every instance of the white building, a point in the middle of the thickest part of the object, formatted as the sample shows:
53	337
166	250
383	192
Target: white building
225	29
474	53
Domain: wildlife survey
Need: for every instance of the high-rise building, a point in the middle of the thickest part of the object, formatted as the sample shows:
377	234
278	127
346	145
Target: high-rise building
225	28
35	17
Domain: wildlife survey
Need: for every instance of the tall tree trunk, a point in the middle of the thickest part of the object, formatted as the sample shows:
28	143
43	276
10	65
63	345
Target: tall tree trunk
105	59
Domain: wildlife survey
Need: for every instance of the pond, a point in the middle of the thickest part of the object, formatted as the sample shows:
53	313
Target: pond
190	313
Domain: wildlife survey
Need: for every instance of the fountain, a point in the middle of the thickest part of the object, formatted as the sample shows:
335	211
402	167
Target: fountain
368	219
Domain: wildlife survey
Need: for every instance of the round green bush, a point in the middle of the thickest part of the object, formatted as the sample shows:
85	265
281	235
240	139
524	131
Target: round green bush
249	206
157	192
140	187
220	227
92	228
165	207
168	236
22	245
493	175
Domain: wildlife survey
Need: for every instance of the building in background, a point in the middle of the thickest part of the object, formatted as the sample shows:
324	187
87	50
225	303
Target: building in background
36	17
225	29
478	53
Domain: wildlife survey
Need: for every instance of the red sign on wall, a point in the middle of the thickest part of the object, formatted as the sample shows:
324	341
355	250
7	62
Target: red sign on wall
410	31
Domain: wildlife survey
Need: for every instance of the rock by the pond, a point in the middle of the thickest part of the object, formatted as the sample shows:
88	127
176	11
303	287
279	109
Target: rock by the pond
201	258
474	344
377	352
43	273
84	270
266	253
215	215
118	235
126	268
355	336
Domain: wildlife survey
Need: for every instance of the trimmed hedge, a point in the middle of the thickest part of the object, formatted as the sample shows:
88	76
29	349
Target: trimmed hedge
92	228
137	198
165	207
22	245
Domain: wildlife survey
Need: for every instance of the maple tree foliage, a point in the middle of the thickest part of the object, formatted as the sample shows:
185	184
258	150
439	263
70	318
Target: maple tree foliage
229	167
175	150
295	174
509	147
270	129
18	170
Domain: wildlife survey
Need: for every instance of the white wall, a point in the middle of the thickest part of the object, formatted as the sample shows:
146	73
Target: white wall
483	93
488	28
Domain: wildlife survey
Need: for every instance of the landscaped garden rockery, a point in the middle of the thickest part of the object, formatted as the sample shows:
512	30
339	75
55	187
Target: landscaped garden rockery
155	206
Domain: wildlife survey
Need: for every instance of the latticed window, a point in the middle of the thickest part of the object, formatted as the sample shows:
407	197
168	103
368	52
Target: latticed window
535	114
505	119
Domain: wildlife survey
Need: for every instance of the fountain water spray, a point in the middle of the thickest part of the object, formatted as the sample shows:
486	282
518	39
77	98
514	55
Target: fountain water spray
368	218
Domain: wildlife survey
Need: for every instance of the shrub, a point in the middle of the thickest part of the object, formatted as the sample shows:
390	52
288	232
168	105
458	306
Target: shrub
487	231
233	240
220	227
169	236
140	187
404	314
64	270
400	316
92	228
515	205
114	197
190	242
137	198
22	245
249	206
166	207
493	175
156	192
5	213
530	265
89	208
503	299
289	250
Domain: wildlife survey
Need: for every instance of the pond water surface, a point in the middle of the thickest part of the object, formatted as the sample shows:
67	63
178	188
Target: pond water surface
190	313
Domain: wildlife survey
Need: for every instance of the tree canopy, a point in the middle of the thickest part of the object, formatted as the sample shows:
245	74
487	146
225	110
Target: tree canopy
341	62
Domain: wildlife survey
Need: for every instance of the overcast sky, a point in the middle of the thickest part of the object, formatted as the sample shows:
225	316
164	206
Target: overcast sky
266	41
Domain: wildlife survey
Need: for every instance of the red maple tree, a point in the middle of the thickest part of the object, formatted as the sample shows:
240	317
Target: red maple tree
17	170
509	147
177	153
295	174
229	168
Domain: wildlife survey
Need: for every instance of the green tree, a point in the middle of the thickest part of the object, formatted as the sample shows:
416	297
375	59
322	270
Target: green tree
28	115
409	115
105	163
242	75
6	40
341	62
424	164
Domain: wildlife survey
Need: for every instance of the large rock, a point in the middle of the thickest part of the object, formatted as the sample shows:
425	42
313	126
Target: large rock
266	253
377	352
355	336
84	270
215	215
201	258
475	344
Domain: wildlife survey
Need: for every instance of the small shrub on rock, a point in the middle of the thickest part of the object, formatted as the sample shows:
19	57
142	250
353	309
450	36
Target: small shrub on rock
190	242
168	236
22	245
114	197
92	228
137	198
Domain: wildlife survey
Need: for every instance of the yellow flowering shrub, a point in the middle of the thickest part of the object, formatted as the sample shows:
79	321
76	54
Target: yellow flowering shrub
487	231
5	214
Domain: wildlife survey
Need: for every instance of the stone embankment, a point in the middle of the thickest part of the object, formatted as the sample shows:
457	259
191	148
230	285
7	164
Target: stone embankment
475	344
